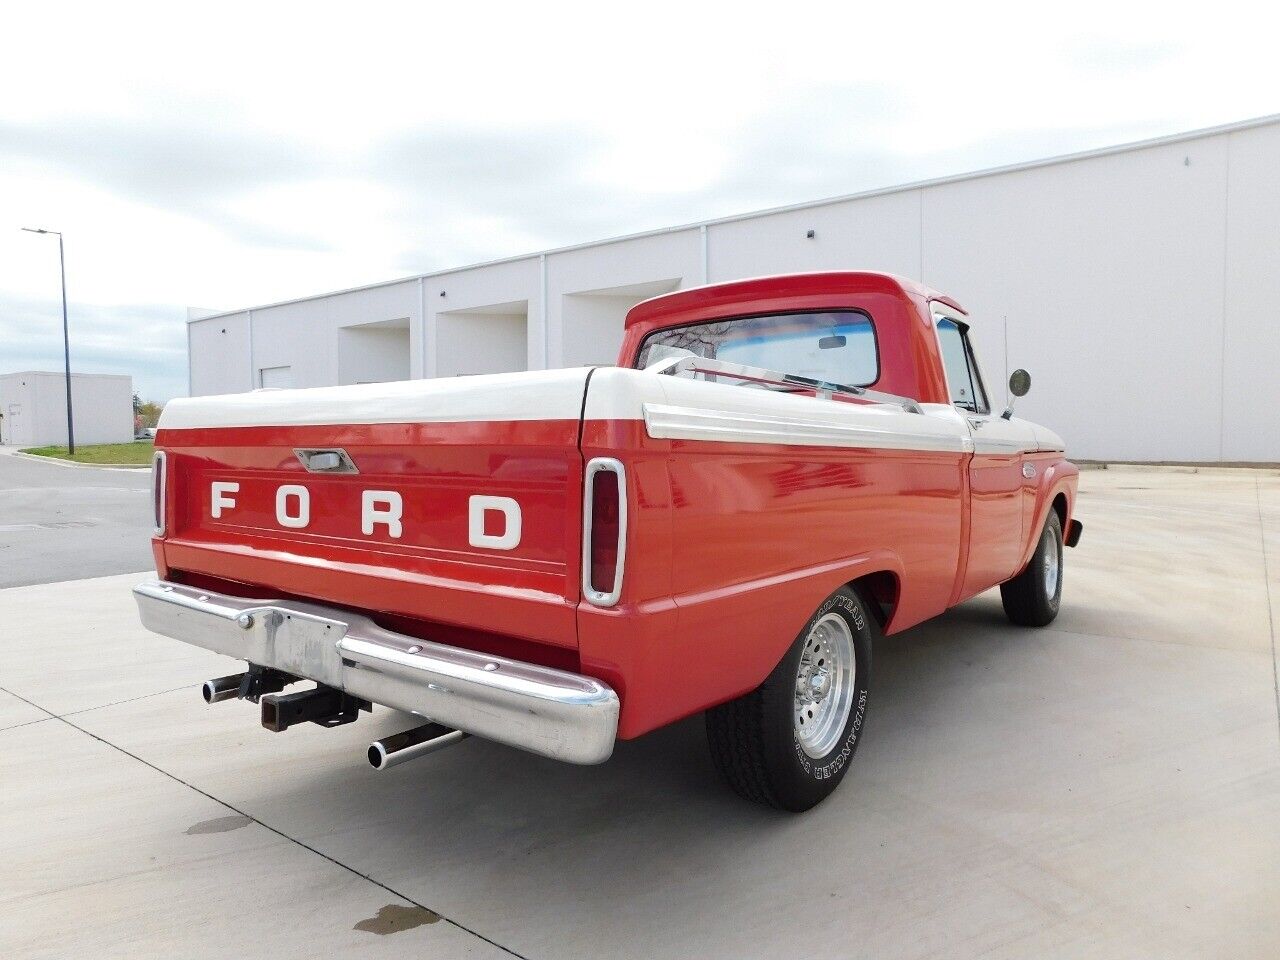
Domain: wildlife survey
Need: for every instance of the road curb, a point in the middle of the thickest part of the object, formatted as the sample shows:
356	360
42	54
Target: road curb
1208	468
80	466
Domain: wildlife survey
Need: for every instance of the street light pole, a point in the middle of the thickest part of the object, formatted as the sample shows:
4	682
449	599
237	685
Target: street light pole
66	338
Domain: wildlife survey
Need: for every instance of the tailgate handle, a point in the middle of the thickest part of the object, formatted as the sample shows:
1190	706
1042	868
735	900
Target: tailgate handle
326	461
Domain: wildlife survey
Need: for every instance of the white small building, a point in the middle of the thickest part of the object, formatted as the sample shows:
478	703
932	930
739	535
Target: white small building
33	408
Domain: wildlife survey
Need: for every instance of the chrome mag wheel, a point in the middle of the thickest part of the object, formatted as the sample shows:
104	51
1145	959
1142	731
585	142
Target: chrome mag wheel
1052	565
825	684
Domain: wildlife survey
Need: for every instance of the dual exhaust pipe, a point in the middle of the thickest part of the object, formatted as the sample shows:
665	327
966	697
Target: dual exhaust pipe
222	688
402	747
329	707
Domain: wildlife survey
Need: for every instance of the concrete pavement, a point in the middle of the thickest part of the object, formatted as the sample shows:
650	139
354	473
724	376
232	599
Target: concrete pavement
1106	787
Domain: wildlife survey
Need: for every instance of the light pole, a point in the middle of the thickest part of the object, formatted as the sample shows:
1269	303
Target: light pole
66	337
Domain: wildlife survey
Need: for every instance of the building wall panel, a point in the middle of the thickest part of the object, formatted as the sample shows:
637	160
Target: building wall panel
1250	383
874	233
1108	273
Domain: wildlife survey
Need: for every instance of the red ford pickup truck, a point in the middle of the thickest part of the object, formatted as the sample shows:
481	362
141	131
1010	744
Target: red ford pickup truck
776	471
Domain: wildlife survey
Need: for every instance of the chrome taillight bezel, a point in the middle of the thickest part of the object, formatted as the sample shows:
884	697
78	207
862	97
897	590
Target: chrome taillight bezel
159	491
597	465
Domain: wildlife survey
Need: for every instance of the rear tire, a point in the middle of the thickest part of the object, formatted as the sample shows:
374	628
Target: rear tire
788	743
1031	599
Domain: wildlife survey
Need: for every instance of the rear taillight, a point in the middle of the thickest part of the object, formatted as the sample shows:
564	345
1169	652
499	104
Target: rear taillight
159	480
604	531
604	535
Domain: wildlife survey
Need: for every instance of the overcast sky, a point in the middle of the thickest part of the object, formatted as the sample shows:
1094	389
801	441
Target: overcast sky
241	154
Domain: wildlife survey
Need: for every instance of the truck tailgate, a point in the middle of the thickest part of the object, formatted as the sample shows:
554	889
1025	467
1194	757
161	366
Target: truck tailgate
442	500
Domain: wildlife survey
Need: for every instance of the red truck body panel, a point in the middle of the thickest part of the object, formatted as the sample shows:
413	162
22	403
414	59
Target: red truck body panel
746	542
430	572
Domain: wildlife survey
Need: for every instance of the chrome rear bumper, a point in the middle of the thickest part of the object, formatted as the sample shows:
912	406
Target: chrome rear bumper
549	712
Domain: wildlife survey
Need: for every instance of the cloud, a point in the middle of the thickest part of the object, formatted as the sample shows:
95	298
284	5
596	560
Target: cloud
1120	55
245	167
440	196
191	164
141	341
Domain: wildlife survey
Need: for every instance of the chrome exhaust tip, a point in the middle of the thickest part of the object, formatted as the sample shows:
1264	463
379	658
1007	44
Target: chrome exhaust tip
222	688
411	744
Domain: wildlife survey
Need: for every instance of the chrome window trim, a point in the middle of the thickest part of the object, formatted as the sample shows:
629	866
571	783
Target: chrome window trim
980	383
774	315
602	465
159	491
939	311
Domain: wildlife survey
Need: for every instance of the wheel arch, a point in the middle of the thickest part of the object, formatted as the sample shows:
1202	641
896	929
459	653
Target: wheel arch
1056	492
1060	507
879	590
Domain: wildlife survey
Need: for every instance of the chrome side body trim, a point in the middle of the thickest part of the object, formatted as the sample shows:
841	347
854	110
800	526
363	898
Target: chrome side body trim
665	421
595	597
553	713
695	365
1007	447
996	436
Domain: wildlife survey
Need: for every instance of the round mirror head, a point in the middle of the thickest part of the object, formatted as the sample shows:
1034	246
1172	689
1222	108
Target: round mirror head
1019	382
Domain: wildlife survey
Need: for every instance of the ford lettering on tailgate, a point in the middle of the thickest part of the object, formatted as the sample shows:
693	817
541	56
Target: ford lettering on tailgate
347	510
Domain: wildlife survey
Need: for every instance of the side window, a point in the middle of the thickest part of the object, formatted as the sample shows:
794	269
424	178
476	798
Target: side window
963	378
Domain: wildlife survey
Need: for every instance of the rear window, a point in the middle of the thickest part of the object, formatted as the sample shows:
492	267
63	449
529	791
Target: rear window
834	347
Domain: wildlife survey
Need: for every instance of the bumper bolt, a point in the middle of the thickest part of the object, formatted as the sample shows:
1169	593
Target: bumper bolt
244	621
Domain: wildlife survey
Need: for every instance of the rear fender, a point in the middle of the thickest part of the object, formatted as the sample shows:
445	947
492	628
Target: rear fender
716	645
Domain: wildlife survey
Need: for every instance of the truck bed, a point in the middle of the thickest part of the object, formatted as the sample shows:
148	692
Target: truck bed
432	445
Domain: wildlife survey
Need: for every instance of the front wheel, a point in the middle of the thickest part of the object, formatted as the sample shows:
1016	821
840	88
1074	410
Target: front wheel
788	743
1031	598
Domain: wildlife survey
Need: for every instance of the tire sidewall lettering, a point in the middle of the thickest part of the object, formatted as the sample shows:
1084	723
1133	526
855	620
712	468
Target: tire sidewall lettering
841	756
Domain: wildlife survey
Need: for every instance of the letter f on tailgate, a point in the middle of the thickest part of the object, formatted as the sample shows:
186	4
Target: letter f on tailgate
218	499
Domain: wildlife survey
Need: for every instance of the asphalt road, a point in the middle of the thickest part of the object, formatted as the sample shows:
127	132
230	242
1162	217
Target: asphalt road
69	523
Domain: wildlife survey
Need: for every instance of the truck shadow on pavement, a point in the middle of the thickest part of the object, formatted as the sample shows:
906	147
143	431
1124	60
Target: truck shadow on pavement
485	824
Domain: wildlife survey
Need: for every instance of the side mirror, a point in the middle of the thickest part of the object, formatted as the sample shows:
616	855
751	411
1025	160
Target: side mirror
1019	385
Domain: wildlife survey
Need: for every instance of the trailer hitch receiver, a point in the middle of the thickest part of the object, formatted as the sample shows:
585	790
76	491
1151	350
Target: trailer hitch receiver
323	705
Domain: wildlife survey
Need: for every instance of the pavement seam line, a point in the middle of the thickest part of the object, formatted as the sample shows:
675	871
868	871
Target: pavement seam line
116	703
1266	583
266	826
74	713
26	723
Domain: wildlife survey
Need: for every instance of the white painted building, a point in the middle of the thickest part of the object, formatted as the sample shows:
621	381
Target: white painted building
1136	283
34	408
